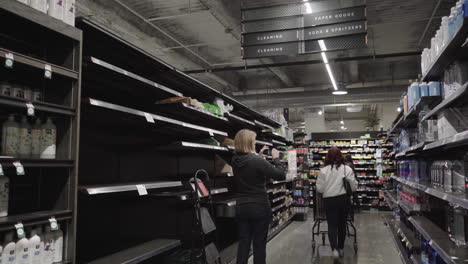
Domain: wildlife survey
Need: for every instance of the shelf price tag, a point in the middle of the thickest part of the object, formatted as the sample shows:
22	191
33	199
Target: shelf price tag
211	133
9	60
20	230
1	170
48	71
149	118
30	109
125	72
53	224
141	190
19	168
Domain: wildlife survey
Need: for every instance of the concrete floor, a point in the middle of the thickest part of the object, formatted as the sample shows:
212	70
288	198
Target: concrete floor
293	245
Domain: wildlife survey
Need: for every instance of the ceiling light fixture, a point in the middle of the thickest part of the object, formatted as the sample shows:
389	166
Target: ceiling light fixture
320	112
399	109
324	57
323	47
308	7
342	122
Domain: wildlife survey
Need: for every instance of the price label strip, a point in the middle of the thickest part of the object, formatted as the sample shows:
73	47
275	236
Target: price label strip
20	230
19	168
53	224
48	71
30	107
141	190
149	118
9	60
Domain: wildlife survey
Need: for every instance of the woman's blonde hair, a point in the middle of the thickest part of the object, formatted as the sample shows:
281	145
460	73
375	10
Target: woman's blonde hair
244	142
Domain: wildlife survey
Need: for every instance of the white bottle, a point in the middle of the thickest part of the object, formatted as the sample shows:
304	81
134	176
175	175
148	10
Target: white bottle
9	249
36	142
48	140
4	195
1	253
22	251
10	136
55	9
48	253
58	244
40	5
36	246
28	93
37	95
25	137
26	2
18	91
6	89
69	12
444	29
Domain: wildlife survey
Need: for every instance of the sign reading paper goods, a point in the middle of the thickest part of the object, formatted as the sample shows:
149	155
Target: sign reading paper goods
335	16
335	30
270	37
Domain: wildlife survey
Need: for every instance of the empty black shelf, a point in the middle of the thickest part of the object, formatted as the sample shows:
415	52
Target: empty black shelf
239	120
263	125
37	163
139	253
39	65
117	110
119	188
183	145
439	240
274	135
20	103
188	112
215	191
32	219
263	143
458	140
389	220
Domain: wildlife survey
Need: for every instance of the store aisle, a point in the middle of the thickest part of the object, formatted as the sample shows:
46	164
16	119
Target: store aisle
293	245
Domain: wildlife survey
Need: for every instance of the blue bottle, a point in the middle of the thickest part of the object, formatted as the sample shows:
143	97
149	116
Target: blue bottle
434	89
424	87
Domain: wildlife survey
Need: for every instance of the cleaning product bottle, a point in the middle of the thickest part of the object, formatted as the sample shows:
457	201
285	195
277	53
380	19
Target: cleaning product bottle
48	140
25	137
58	244
4	195
36	246
10	137
22	251
69	12
40	5
48	253
28	93
56	9
37	95
18	91
9	249
6	89
36	143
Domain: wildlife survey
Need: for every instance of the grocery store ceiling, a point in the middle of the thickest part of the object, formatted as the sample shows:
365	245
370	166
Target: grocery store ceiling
202	35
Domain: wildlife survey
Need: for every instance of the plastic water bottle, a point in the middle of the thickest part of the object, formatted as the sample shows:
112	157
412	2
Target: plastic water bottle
49	140
40	5
10	136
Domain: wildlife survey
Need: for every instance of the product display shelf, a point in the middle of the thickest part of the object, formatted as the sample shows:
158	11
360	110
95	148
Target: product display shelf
216	191
38	64
143	116
452	51
391	199
460	199
278	143
19	104
241	121
276	230
278	199
263	143
457	98
7	223
412	149
263	125
41	47
7	162
191	113
457	140
39	18
126	77
401	250
274	135
133	187
439	240
140	253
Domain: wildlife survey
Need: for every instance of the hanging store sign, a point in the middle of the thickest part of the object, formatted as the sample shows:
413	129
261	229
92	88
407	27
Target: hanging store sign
270	37
342	29
271	50
335	16
338	43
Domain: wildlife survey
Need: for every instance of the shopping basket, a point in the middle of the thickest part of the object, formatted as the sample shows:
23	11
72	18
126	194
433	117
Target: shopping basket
320	217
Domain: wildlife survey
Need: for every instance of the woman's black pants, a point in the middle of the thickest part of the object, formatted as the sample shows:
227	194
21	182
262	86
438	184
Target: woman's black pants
337	209
253	222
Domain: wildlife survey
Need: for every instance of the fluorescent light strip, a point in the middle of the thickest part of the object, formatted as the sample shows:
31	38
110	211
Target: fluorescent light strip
323	47
332	79
308	7
324	57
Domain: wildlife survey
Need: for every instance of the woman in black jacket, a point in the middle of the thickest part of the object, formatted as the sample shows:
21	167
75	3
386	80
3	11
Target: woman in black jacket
251	173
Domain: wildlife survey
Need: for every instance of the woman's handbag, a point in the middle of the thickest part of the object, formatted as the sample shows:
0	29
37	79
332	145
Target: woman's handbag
346	184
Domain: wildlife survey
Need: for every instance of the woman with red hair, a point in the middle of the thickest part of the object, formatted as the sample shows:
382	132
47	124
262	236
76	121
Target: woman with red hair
337	203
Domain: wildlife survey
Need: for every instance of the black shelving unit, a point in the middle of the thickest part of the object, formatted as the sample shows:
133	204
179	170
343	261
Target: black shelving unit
49	187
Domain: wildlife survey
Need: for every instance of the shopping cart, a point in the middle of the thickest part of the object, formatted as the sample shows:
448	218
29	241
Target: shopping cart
320	217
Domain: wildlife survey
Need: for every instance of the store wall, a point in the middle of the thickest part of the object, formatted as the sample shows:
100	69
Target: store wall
314	123
388	115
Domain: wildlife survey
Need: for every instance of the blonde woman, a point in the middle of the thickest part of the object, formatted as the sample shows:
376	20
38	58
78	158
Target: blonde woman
251	173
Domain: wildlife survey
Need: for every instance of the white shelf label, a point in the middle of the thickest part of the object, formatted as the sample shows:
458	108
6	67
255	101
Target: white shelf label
141	190
53	224
211	133
48	71
98	62
9	60
20	230
19	168
30	109
149	118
